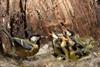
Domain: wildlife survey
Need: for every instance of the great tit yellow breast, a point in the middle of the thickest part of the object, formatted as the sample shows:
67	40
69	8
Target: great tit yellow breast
26	53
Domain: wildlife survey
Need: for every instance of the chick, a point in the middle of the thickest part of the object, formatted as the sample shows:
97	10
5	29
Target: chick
77	49
68	46
60	45
73	46
65	46
58	52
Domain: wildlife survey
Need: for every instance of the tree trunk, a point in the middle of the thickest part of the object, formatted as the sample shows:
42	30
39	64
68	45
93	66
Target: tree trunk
46	15
78	15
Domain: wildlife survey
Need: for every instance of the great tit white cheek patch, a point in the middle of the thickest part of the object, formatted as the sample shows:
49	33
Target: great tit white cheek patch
34	39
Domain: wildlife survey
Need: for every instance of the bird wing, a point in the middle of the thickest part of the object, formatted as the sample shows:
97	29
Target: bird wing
23	43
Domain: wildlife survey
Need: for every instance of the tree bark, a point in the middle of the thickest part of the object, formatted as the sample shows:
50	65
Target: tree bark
77	15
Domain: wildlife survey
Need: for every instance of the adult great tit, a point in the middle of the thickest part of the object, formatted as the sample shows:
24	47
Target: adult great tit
26	47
